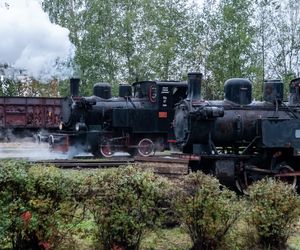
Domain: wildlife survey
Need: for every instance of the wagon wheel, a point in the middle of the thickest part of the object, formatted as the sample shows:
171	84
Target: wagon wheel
145	147
284	169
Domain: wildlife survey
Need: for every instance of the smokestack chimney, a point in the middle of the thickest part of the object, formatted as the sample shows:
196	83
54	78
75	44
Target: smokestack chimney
74	86
194	86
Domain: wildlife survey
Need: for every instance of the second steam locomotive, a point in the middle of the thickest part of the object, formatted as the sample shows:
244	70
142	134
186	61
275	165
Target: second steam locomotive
240	140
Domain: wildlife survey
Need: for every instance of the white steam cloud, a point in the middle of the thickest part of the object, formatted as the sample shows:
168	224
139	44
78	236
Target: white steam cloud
30	41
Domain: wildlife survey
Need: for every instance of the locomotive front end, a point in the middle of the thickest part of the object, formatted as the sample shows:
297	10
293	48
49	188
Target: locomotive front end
194	118
69	107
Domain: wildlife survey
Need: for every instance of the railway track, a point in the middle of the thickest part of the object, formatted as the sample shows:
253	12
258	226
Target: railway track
86	163
166	166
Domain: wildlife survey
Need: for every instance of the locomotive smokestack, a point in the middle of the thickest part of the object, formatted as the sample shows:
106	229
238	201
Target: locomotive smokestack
194	86
74	86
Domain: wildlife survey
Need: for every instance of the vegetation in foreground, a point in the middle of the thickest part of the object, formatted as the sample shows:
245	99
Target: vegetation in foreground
43	207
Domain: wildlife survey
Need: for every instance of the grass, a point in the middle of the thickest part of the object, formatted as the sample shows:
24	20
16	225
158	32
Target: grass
294	243
294	240
162	239
167	239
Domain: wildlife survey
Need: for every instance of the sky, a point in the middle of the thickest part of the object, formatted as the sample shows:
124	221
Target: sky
30	41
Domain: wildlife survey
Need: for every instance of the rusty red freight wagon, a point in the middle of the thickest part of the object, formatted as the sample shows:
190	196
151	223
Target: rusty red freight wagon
25	116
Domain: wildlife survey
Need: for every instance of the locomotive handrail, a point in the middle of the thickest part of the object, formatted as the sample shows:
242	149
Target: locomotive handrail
130	100
251	144
294	115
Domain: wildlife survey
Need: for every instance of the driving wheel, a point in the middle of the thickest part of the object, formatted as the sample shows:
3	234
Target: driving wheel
145	147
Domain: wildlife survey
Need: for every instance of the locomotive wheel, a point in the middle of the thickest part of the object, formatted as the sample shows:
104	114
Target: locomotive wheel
38	138
106	150
51	140
145	147
241	183
292	180
244	179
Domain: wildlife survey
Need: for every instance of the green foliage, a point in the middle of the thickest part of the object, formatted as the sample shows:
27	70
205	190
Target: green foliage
274	212
207	209
231	45
167	239
124	202
42	207
34	203
125	41
13	199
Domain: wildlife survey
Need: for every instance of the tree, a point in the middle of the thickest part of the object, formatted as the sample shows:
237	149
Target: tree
231	50
124	41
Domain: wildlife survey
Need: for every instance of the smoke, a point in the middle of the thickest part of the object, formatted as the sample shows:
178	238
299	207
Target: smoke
24	145
26	149
30	41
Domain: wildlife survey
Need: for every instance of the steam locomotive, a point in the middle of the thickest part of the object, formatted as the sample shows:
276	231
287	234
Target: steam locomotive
138	123
239	140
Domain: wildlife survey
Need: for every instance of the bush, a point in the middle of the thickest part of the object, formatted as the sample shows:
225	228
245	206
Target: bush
52	205
207	210
274	212
124	202
34	203
13	201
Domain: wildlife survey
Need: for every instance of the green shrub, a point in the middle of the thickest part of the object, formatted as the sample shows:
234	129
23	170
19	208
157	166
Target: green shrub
51	204
274	212
124	202
13	201
34	203
207	210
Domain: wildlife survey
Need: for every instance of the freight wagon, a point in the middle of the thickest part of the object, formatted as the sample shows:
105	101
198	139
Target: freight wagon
26	116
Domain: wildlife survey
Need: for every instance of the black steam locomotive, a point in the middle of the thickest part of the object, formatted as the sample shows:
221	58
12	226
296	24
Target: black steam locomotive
138	124
240	140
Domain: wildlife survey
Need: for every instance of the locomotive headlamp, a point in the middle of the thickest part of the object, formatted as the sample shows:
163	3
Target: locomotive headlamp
80	126
61	126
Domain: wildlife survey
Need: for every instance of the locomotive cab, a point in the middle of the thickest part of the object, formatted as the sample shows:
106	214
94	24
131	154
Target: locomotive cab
294	97
158	100
163	93
273	91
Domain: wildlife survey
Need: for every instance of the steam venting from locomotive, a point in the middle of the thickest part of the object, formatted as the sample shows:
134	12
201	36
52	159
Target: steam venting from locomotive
30	41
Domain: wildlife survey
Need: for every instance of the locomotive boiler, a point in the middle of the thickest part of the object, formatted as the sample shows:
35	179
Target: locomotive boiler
138	122
237	139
